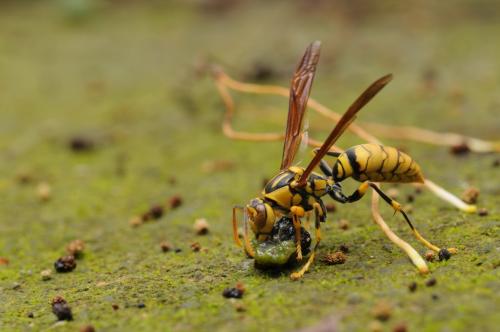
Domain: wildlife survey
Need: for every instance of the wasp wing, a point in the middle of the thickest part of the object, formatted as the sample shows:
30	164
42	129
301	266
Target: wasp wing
344	122
299	94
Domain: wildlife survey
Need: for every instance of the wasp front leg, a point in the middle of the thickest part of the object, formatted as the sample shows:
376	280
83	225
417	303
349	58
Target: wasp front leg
247	245
320	213
297	213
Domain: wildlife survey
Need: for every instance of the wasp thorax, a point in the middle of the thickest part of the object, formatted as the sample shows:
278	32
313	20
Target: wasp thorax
261	216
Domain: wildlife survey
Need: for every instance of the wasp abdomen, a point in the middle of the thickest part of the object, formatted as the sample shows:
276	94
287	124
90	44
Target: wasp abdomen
376	163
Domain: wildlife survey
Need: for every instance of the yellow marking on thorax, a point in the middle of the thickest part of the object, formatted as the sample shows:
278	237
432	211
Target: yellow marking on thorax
282	196
296	169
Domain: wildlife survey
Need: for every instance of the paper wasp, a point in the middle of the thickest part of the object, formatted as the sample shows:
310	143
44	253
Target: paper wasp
295	191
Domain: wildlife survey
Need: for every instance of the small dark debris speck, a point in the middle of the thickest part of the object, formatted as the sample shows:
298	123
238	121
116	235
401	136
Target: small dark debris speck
115	306
87	328
435	297
344	224
496	163
175	201
75	248
260	72
344	248
382	311
460	149
65	264
400	328
431	282
412	287
165	246
30	315
410	198
444	254
81	144
482	212
330	207
177	250
470	195
334	258
141	305
61	309
234	293
196	246
156	211
430	256
201	226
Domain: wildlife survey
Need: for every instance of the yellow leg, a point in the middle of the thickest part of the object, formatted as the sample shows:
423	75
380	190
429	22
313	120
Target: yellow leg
319	214
247	245
227	127
407	248
297	213
397	208
224	82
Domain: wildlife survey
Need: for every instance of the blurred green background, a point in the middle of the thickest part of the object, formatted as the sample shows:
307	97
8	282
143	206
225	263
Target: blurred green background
129	76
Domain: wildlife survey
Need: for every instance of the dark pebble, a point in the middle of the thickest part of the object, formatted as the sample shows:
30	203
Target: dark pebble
31	315
175	201
330	207
431	282
482	212
400	328
61	309
444	254
344	248
141	305
178	250
460	149
261	72
412	287
81	144
87	328
115	306
156	212
65	264
234	293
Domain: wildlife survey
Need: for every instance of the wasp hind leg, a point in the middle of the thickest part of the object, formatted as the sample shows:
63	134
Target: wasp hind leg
397	208
360	192
320	216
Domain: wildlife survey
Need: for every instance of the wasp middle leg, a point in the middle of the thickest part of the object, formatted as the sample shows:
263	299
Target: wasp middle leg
297	213
320	214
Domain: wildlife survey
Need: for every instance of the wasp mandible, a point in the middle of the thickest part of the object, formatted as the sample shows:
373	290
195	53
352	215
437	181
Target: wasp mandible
295	190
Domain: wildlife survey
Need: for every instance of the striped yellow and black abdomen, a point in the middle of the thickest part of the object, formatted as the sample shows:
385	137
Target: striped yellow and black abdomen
376	163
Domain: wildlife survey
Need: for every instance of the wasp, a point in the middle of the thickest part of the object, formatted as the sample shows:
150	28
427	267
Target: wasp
296	191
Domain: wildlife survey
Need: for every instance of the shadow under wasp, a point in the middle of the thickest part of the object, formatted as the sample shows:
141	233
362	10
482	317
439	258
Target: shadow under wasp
296	191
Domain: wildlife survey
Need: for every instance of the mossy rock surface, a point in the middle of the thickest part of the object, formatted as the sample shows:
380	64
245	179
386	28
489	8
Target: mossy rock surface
126	76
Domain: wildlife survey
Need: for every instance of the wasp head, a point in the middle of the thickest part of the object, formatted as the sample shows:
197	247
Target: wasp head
261	218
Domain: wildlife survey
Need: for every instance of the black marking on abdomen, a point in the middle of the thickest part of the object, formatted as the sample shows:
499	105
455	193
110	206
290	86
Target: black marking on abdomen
397	162
351	156
368	158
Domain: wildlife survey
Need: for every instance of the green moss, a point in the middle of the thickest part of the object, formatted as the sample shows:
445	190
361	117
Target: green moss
124	77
